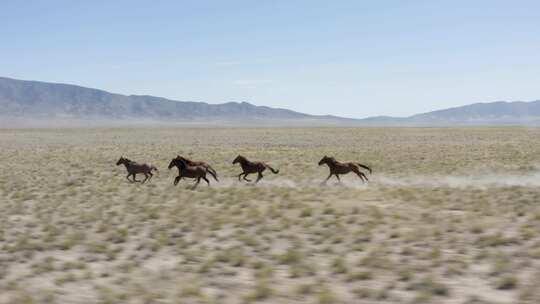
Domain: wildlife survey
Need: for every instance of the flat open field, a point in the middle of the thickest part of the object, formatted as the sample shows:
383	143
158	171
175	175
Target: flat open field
449	216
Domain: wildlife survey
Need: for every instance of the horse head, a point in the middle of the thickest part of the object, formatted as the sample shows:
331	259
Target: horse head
120	161
172	163
239	159
326	160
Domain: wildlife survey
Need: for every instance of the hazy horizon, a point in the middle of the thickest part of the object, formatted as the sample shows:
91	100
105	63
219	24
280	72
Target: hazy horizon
350	59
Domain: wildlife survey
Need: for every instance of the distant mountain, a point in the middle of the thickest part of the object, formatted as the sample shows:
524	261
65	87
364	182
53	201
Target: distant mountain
499	110
41	101
491	113
33	103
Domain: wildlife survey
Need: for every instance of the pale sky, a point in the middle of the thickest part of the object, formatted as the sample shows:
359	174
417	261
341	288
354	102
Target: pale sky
347	58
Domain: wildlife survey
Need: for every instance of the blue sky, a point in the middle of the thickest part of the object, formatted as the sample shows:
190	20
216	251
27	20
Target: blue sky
348	58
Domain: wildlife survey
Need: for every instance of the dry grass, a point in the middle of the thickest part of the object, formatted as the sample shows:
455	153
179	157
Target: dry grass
450	216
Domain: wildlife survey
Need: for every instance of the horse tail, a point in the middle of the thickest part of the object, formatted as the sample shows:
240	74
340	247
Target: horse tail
272	169
365	167
153	168
212	172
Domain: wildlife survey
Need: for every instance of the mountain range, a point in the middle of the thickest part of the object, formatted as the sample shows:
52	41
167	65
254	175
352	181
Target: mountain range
476	114
35	103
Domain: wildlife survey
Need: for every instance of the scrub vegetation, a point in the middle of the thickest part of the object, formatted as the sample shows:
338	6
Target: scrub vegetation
448	216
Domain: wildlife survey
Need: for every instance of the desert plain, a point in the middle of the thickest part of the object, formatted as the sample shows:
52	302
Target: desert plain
450	215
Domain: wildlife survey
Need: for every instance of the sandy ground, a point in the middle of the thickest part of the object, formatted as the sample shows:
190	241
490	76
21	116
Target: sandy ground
449	216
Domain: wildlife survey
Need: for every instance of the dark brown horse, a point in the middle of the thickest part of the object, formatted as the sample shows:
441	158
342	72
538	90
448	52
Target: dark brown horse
194	163
249	167
190	171
134	168
337	168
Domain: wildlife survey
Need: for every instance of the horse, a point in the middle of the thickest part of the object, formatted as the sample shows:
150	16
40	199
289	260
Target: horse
134	168
337	168
249	167
191	171
209	169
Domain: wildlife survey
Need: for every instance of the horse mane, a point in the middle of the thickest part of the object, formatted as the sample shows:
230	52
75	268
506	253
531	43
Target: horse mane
181	161
330	159
180	157
241	157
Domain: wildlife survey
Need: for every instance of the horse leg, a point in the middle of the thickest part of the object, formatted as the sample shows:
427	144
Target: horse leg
361	175
145	178
134	179
197	183
151	175
206	179
259	177
127	177
212	172
326	180
177	179
337	176
245	177
364	176
239	176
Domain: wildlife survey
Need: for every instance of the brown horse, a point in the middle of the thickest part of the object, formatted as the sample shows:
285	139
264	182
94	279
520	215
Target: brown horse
134	168
249	167
190	171
337	168
194	163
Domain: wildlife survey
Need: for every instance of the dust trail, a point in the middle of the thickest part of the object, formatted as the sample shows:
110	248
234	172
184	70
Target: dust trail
278	182
431	181
456	181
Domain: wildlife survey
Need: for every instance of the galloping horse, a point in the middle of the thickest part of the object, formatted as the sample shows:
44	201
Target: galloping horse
337	168
190	171
249	167
193	163
134	168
